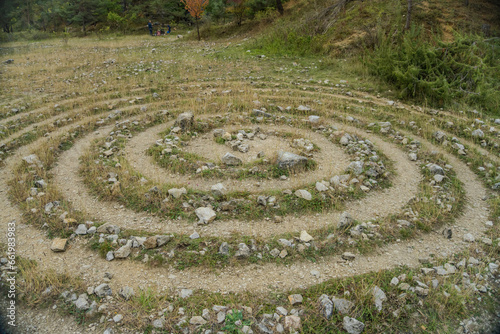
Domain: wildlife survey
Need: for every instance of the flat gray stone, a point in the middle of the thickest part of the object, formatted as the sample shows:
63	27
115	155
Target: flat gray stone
353	326
177	192
231	160
342	305
124	251
326	306
345	220
185	121
103	290
378	297
126	292
185	293
218	190
205	215
288	160
356	167
304	194
295	299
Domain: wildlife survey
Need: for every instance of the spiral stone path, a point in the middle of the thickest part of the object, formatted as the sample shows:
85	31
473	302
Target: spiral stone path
128	187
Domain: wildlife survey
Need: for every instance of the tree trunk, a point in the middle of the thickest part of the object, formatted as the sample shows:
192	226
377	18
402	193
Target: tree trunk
466	2
408	14
84	30
124	4
28	12
198	29
279	7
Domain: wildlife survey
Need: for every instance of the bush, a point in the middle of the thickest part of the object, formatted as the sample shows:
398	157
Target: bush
467	69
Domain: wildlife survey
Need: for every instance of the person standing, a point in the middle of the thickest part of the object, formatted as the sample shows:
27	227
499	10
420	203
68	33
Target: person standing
150	26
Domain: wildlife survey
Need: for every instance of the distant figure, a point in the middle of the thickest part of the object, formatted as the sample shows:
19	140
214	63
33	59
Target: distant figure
168	28
158	33
150	26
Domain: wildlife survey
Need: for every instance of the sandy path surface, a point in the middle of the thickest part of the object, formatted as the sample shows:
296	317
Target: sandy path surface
331	159
79	260
405	186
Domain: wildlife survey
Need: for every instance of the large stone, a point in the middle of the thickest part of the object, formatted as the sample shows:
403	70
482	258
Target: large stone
348	256
477	133
81	229
440	136
218	190
108	228
103	290
221	317
469	237
59	245
231	160
305	237
197	320
435	169
32	159
224	248
321	187
82	303
356	167
342	305
287	160
185	121
378	297
158	323
326	306
150	243
110	256
295	299
304	194
124	251
260	113
345	139
243	251
292	323
205	215
345	220
185	293
177	193
126	292
162	239
353	326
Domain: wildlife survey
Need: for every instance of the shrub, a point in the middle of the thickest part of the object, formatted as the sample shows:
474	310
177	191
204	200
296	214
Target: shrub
466	69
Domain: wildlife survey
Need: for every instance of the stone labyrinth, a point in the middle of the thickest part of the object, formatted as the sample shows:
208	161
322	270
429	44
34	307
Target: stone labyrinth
233	184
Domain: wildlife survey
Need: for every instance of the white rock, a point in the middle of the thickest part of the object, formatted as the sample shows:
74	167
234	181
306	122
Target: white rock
353	326
394	281
469	238
305	237
81	229
186	293
205	215
321	187
438	178
378	297
177	193
124	251
218	190
304	194
197	320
